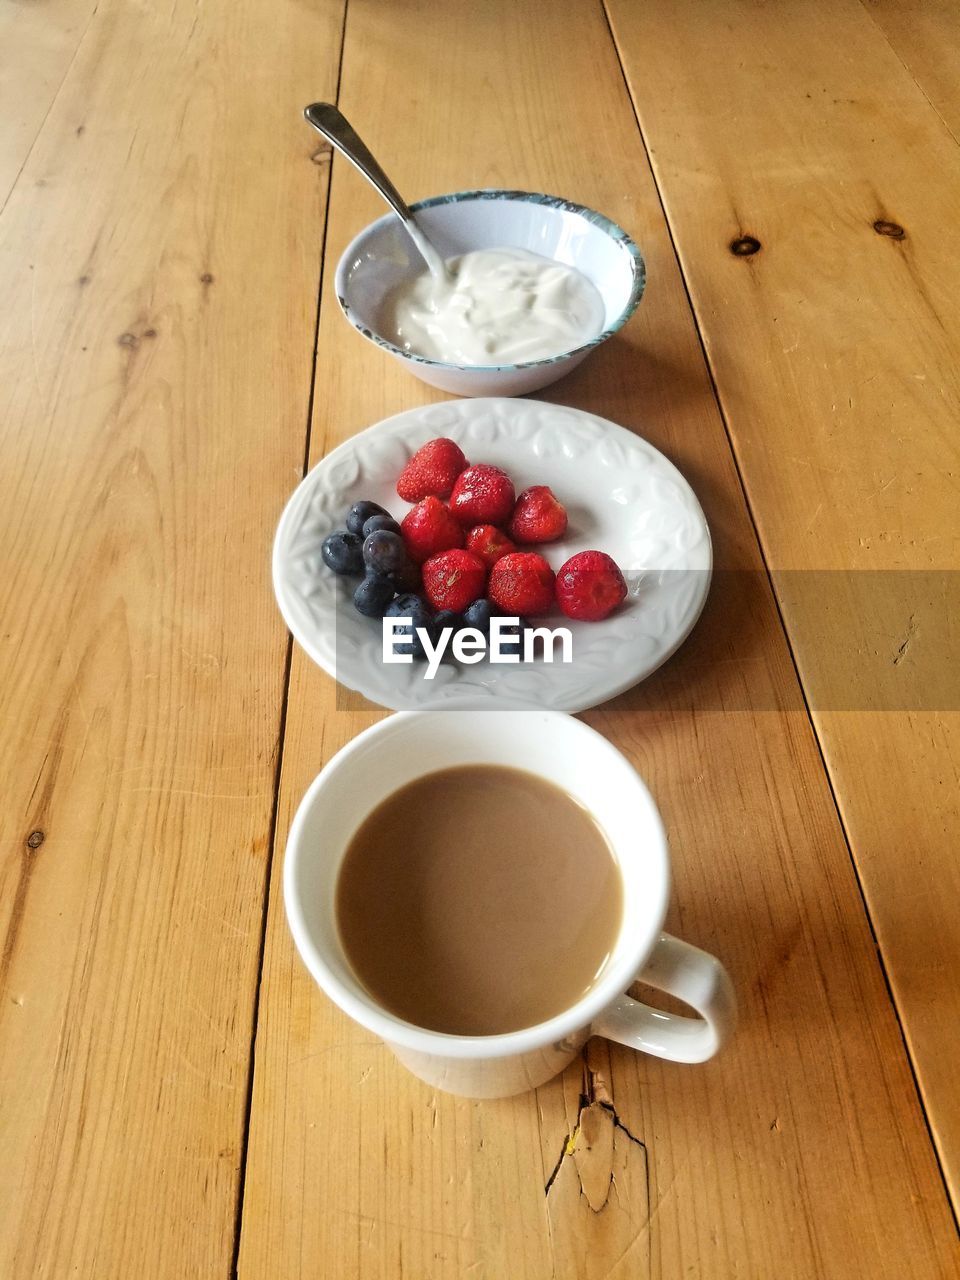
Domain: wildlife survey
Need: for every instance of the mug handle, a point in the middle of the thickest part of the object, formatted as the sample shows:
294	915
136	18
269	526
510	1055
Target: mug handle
693	976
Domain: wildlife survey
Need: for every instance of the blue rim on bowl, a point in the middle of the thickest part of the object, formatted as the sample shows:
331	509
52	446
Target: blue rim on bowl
638	272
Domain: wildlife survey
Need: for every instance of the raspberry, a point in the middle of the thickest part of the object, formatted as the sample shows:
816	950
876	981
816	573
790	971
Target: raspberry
538	516
590	586
428	528
482	495
488	543
522	583
454	579
432	470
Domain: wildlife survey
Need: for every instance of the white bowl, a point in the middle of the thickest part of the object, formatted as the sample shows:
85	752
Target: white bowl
383	255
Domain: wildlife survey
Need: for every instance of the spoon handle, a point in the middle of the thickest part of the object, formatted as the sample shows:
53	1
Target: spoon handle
334	125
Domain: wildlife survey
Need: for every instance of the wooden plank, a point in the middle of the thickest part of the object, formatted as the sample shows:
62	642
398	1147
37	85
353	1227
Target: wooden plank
925	35
801	1150
835	350
39	43
159	269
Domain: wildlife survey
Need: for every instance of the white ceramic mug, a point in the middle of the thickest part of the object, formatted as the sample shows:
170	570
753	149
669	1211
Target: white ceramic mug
571	755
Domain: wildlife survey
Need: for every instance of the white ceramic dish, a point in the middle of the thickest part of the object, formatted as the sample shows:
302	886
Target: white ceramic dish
382	255
622	496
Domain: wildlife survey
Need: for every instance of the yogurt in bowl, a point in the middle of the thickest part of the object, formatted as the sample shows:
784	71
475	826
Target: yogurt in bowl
495	306
537	283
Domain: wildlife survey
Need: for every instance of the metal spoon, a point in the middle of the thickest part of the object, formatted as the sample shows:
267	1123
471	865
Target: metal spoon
333	124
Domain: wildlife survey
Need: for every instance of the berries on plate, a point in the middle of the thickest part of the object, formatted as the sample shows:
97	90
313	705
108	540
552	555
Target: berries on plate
429	528
590	586
488	542
482	495
538	516
522	583
373	596
433	469
384	552
454	579
361	512
343	552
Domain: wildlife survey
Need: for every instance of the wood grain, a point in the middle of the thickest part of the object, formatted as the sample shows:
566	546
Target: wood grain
39	43
159	268
925	35
801	1150
835	350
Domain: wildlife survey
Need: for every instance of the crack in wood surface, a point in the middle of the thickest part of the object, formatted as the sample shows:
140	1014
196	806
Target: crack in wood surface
591	1141
905	643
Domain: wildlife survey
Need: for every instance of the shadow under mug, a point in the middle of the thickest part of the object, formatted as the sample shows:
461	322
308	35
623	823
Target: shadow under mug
574	757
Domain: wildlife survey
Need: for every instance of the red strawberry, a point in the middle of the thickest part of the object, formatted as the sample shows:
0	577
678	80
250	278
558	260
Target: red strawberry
454	579
521	583
428	528
482	495
432	470
489	543
538	516
590	586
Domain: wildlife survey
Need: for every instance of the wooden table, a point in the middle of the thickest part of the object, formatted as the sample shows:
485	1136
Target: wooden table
177	1098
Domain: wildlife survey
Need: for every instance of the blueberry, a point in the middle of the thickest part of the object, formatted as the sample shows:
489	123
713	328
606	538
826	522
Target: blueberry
478	615
412	607
361	512
343	552
373	596
380	522
408	605
447	618
384	553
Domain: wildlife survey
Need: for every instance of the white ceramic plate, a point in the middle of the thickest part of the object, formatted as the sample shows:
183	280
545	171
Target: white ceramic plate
622	496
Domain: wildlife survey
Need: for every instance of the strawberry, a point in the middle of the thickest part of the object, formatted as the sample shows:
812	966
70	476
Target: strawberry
432	470
482	495
454	579
428	528
538	516
489	543
590	586
521	583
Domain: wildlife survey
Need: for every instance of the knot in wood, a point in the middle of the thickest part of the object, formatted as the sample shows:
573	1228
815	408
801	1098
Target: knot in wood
891	229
